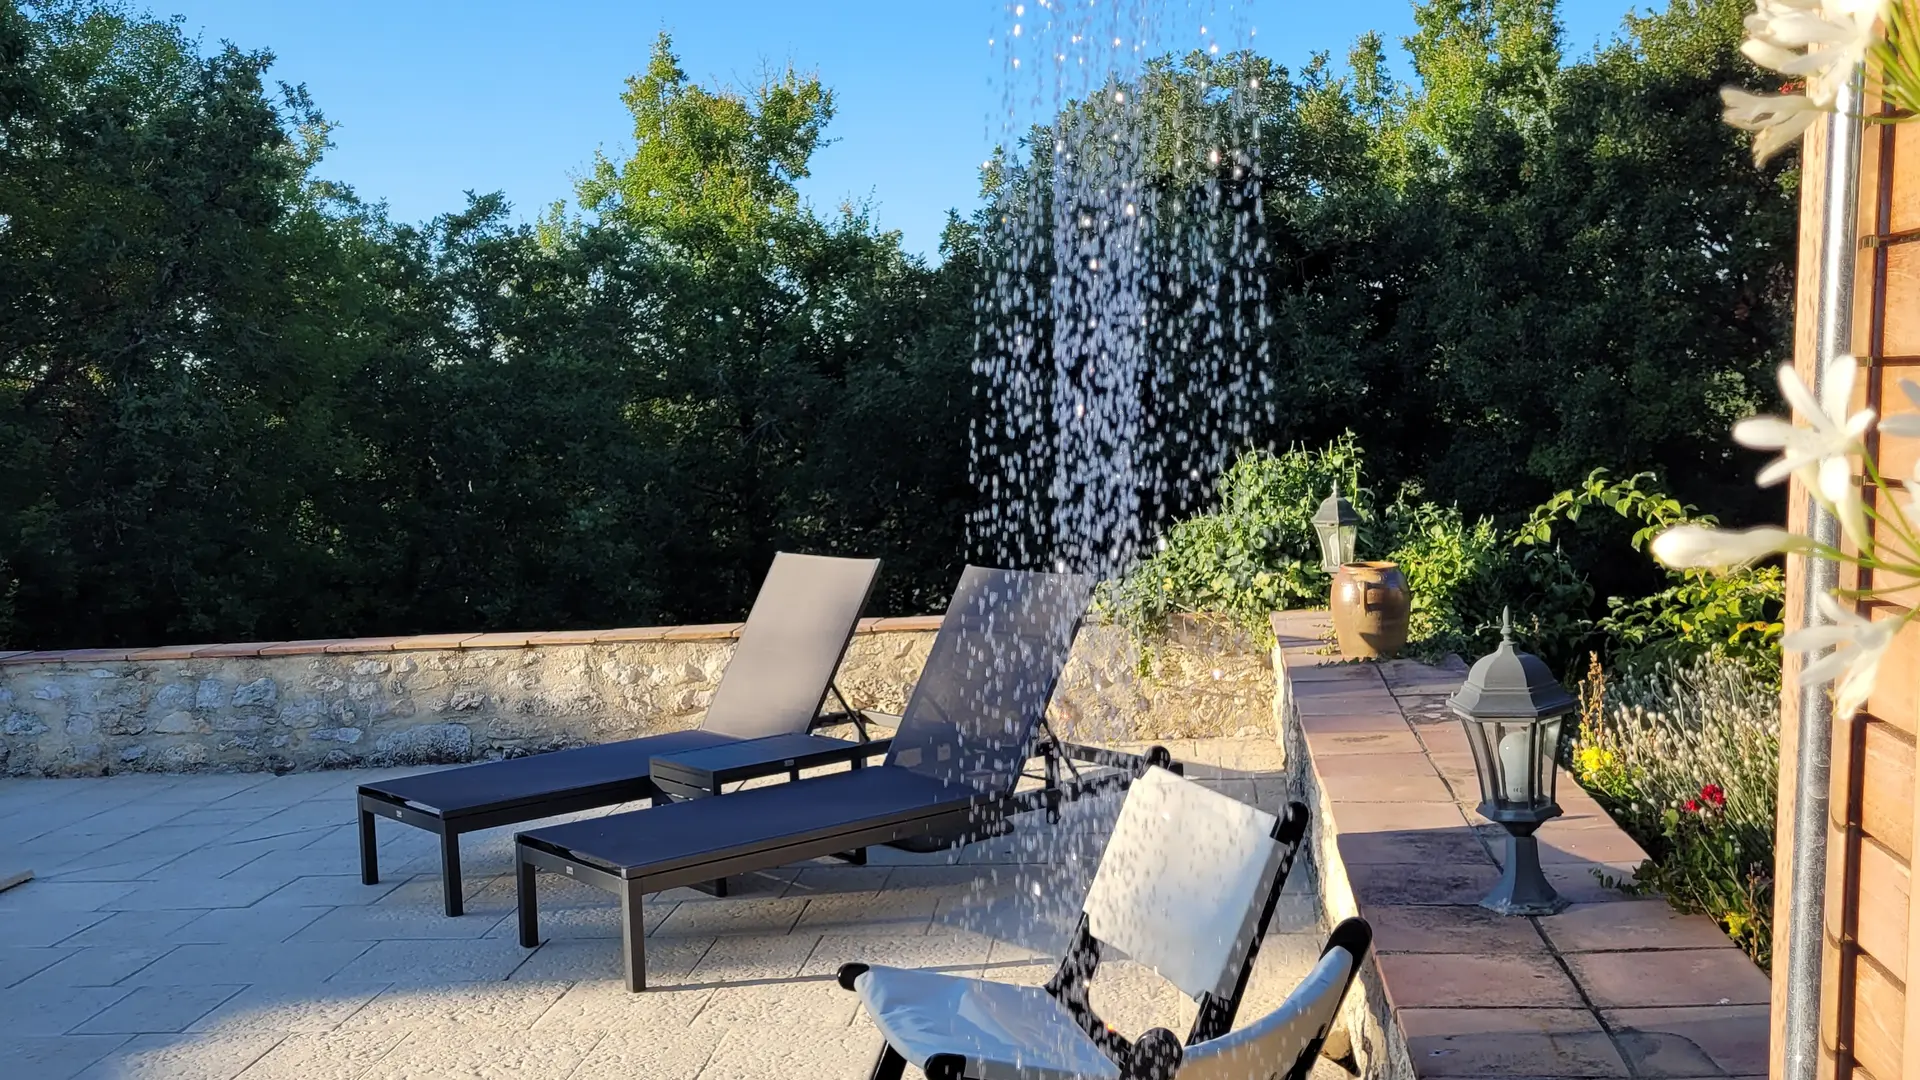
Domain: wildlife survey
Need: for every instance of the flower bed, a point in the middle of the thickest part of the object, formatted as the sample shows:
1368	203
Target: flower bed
1686	759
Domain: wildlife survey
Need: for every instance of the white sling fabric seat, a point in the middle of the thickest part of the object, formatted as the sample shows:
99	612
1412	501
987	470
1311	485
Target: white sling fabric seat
1004	1032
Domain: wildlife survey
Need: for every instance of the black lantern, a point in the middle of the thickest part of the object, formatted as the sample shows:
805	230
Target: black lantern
1338	526
1512	706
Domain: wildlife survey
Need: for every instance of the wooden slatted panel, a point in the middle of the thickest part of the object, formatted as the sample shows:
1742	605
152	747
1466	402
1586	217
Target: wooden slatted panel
1886	810
1870	931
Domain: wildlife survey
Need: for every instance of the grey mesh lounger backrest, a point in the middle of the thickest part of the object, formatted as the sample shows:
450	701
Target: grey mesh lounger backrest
791	645
989	677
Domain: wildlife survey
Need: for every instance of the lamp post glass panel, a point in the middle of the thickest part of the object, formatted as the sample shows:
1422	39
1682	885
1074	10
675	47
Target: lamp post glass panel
1337	524
1512	708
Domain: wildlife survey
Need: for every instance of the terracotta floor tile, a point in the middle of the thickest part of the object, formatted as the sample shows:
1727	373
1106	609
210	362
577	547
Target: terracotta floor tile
1630	924
1440	980
1374	722
1723	976
1451	929
1666	1042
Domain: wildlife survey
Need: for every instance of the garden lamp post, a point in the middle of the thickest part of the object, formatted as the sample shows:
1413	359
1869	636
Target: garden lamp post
1338	526
1512	706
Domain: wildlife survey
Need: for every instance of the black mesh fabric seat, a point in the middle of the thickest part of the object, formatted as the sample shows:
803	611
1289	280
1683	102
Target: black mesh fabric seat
775	683
956	759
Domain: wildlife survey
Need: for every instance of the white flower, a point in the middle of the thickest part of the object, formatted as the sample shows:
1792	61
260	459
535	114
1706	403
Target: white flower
1776	119
1818	453
1905	425
1835	35
1696	547
1859	644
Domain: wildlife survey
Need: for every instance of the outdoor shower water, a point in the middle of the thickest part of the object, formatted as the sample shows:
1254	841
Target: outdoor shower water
1121	350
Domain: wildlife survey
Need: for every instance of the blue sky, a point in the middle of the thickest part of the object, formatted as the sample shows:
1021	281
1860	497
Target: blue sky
433	98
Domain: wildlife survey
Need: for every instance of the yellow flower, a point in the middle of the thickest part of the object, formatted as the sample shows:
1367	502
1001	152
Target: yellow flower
1736	923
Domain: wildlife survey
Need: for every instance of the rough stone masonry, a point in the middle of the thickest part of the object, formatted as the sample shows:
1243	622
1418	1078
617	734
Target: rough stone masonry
301	706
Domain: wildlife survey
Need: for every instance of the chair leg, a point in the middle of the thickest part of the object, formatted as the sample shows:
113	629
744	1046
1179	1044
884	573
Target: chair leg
633	936
369	850
450	871
889	1065
527	903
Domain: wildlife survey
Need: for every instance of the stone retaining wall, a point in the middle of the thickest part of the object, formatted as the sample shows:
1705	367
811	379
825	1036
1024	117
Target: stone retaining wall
289	706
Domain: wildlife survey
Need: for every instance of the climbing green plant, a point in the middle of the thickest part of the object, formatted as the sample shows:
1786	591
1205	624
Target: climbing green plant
1255	555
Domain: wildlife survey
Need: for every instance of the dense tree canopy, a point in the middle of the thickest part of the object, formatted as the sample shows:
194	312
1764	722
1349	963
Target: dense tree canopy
237	402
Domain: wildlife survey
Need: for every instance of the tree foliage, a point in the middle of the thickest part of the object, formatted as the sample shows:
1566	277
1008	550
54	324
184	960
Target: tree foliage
237	402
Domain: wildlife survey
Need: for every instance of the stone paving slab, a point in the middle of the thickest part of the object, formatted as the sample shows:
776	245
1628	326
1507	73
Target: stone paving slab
189	927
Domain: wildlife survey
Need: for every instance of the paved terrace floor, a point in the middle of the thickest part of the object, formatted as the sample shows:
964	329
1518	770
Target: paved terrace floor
213	927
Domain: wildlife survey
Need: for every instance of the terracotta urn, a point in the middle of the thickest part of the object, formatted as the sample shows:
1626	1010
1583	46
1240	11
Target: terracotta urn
1370	604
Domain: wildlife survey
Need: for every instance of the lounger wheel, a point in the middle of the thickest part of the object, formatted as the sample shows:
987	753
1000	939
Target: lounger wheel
1158	756
850	972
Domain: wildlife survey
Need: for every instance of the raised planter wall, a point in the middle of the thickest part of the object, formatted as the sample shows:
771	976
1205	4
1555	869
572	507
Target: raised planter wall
450	698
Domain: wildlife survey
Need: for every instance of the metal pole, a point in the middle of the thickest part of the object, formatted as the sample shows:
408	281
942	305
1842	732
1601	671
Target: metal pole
1834	333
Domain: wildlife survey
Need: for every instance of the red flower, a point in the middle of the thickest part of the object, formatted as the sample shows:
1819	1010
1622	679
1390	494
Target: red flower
1714	796
1691	806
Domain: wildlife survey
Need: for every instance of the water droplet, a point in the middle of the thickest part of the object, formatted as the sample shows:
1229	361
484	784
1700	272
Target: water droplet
1016	29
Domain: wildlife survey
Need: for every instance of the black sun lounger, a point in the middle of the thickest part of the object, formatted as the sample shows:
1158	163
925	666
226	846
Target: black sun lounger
775	684
950	775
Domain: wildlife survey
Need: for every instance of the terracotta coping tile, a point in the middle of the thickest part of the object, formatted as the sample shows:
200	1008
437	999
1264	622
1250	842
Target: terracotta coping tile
364	645
1732	1037
1451	928
703	632
1630	924
1417	1023
1383	763
1334	743
1437	846
235	650
1359	703
1515	1054
632	633
40	656
83	656
1491	981
307	647
431	641
565	637
168	652
866	625
1305	675
909	623
1421	884
11	653
1385	723
1397	817
1669	977
505	640
1362	786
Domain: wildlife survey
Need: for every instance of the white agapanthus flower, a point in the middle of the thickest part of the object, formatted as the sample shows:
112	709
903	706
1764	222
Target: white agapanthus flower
1819	41
1697	547
1820	452
1858	643
1776	120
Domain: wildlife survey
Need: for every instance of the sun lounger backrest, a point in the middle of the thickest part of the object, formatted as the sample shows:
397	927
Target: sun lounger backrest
988	679
792	643
1183	882
1277	1044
